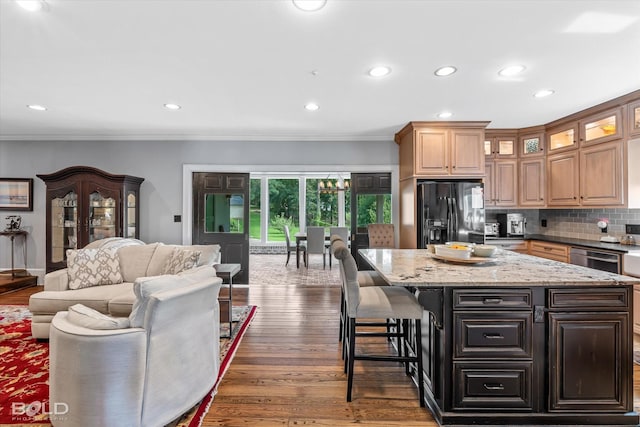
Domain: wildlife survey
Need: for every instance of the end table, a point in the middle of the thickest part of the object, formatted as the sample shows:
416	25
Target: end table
227	272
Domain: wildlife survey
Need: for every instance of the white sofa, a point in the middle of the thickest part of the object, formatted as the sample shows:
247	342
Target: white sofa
135	258
139	376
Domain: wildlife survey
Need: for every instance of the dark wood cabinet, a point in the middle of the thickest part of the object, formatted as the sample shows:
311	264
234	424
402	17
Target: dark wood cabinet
535	355
590	332
85	204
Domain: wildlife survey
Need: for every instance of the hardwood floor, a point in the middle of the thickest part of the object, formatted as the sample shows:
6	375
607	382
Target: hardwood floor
288	370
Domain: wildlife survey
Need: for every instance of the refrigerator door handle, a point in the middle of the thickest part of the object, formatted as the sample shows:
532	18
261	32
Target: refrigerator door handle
454	216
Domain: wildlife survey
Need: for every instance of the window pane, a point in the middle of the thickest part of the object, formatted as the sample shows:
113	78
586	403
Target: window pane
283	208
224	213
373	208
254	209
322	202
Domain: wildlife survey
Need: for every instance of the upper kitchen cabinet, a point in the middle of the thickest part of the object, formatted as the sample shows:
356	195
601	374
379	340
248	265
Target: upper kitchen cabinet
441	149
602	127
562	138
634	119
531	142
85	204
500	144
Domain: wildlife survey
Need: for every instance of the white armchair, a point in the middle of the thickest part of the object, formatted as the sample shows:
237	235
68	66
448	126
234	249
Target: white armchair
139	376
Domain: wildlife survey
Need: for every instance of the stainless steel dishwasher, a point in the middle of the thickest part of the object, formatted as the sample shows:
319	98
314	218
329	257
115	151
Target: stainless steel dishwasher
594	258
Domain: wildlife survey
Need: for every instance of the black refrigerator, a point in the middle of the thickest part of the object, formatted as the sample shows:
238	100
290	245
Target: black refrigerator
450	211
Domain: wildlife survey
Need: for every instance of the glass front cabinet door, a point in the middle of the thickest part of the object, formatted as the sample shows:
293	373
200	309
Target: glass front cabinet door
562	138
634	119
531	144
85	204
602	127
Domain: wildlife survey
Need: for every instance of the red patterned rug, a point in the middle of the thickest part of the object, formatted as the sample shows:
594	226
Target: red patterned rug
24	370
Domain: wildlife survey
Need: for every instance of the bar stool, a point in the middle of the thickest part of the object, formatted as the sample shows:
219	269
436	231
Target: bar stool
365	278
380	302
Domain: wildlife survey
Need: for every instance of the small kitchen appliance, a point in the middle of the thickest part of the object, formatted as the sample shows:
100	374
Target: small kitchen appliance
511	224
491	229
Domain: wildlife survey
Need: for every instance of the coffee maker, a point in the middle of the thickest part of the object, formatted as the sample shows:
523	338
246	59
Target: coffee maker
511	224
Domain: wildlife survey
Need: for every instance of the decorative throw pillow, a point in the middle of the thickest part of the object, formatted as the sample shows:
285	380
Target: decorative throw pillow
92	267
181	259
87	317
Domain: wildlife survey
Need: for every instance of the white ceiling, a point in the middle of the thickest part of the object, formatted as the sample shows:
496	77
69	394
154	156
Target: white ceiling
244	69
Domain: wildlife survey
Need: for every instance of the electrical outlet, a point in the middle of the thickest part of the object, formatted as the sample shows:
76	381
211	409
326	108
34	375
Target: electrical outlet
543	222
177	218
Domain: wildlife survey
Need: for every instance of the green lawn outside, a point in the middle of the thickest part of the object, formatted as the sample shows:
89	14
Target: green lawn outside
275	234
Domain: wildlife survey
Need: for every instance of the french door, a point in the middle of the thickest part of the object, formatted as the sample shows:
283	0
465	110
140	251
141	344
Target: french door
221	216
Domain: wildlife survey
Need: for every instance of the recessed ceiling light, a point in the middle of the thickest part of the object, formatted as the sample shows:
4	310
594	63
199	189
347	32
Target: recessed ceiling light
37	107
311	106
172	106
31	5
511	70
447	70
380	71
445	115
600	22
544	92
309	5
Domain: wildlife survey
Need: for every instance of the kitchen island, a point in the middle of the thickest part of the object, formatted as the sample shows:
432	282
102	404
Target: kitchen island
520	339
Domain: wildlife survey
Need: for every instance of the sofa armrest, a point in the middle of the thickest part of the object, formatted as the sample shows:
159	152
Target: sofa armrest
56	280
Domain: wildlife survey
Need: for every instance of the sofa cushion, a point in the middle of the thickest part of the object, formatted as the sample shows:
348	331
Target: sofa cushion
86	317
134	260
181	259
92	267
121	305
160	258
144	287
97	297
209	254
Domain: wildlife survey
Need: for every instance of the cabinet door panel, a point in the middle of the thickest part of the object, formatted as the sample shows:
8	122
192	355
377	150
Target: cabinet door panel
467	152
595	343
506	183
601	174
532	179
562	179
432	154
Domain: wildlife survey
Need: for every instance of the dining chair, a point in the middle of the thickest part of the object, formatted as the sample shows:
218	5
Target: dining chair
290	247
381	236
343	232
367	306
316	244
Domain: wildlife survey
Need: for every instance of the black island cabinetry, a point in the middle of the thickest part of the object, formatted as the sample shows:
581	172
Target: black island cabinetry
542	355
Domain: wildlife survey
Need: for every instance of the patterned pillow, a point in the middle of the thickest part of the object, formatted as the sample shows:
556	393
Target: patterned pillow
181	259
92	267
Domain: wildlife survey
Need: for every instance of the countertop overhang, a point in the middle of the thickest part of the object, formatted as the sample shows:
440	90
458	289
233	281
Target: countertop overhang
419	268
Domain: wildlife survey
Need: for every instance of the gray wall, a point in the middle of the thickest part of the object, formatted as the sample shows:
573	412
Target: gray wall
160	163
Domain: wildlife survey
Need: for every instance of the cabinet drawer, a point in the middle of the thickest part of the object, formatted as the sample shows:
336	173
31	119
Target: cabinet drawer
482	334
491	299
548	250
491	385
597	298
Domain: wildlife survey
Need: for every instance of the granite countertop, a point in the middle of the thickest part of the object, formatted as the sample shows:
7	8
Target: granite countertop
419	268
595	244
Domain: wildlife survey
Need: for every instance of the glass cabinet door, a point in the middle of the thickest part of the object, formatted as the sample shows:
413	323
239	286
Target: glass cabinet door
531	145
64	230
130	220
601	128
563	139
102	218
634	119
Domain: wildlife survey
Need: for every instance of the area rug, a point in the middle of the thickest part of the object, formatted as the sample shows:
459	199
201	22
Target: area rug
24	370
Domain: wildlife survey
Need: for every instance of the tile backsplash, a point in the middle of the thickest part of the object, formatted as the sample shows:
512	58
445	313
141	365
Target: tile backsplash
575	223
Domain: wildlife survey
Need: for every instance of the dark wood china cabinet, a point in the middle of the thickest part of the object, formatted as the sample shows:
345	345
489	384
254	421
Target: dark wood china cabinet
86	204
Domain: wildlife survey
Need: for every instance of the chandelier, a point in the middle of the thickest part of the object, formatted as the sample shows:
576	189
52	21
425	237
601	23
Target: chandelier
327	185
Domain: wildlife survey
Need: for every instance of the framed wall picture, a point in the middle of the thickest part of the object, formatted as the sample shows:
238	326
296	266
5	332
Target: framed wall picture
16	194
